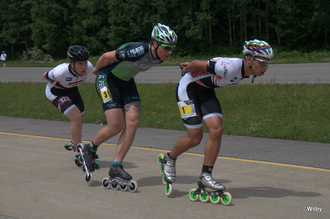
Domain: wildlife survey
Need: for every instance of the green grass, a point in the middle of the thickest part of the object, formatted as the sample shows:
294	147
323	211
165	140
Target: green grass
291	111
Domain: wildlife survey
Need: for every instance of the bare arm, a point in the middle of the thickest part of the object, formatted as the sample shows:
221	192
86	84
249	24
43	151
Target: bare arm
44	75
196	65
105	60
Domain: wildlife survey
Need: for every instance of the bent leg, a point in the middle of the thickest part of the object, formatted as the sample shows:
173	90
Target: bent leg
192	139
212	146
132	121
115	123
77	120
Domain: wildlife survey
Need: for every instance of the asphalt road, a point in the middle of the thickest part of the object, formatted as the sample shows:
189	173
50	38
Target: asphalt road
40	180
277	73
268	178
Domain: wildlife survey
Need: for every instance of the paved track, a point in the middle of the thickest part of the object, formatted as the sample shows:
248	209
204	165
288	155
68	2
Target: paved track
277	73
268	178
40	180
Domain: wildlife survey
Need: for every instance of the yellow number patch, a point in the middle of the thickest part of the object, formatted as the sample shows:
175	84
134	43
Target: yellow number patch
187	109
105	95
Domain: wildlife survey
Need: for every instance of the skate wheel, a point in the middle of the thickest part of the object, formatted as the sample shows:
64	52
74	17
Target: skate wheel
77	162
89	178
204	197
68	147
215	198
161	170
168	189
123	188
193	197
133	186
114	186
159	159
227	200
106	184
164	180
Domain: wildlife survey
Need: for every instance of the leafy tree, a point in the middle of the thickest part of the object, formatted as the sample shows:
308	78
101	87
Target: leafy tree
88	25
203	27
14	25
126	21
49	25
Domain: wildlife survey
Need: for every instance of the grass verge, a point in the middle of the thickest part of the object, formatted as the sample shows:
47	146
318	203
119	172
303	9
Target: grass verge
290	111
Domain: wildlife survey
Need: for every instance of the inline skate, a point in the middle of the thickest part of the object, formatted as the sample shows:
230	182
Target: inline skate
71	147
119	179
215	194
89	176
167	169
77	160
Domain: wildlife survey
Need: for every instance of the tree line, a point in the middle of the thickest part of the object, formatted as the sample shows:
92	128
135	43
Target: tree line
203	27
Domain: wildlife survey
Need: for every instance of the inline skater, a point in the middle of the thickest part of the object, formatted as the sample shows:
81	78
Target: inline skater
197	102
62	88
3	58
116	87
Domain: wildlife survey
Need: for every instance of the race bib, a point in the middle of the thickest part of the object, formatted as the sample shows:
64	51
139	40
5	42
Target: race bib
187	109
105	94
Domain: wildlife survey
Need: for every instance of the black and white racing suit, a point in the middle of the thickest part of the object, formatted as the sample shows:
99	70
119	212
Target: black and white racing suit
195	94
63	90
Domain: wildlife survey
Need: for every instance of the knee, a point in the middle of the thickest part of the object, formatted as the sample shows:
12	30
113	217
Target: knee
196	139
132	120
77	119
115	127
216	132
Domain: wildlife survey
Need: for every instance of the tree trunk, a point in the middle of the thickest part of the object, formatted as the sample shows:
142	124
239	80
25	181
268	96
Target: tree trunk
230	37
210	36
12	50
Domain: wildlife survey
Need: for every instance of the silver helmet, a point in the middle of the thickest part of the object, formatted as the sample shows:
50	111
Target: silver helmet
258	48
164	34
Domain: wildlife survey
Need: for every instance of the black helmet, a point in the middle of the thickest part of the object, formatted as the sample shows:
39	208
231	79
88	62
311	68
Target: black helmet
77	53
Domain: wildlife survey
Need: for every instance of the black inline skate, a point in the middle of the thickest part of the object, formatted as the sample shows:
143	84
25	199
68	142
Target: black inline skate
216	194
77	160
119	179
80	159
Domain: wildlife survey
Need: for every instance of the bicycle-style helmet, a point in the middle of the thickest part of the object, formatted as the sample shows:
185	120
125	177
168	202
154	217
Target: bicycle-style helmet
258	48
164	34
77	53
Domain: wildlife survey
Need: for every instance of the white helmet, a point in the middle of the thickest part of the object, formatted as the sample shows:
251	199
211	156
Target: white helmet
163	34
258	48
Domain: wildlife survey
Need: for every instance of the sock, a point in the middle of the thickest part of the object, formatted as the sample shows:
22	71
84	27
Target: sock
207	169
168	154
116	163
93	147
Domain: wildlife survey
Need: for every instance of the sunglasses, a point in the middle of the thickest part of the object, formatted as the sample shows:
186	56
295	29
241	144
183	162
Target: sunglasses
263	62
168	47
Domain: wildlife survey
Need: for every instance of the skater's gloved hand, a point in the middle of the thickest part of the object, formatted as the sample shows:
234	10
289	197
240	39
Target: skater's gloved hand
182	66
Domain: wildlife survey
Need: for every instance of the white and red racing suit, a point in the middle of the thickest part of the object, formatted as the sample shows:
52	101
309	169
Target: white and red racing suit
195	94
63	91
